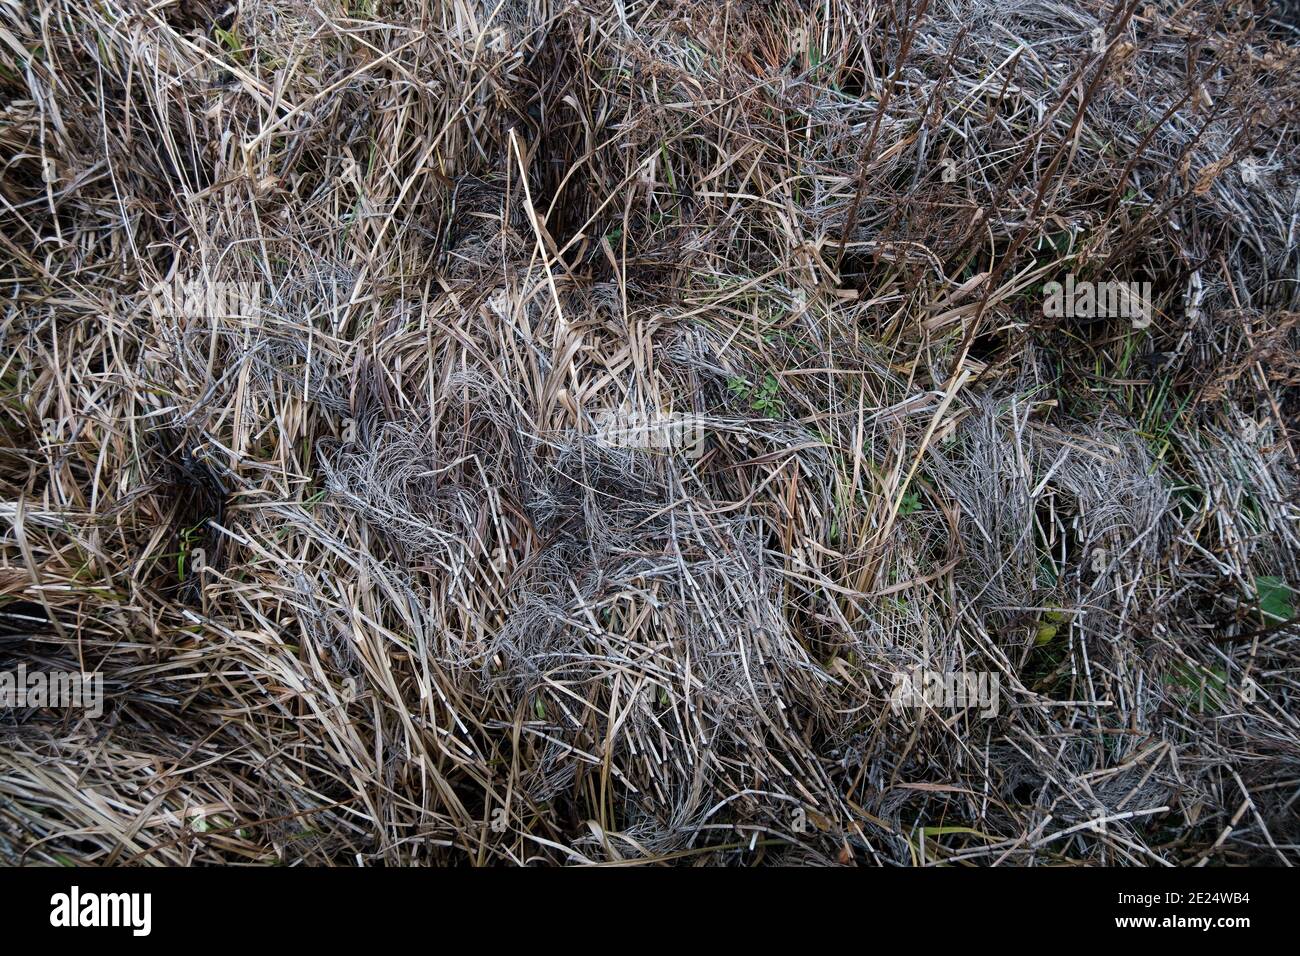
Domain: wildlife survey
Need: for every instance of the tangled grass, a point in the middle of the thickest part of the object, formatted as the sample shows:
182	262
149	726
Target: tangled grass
366	582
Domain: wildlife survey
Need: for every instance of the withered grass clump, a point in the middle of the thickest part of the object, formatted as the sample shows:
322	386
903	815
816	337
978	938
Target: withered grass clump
312	313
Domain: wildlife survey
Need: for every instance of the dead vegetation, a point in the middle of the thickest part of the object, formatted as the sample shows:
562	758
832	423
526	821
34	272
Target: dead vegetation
368	585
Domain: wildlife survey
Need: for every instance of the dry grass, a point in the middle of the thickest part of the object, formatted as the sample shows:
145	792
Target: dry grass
441	619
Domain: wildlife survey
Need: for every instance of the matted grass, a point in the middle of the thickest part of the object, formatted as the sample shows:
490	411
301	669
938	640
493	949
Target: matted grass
368	582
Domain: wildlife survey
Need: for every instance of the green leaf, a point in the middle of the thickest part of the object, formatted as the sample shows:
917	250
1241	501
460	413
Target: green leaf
767	400
1047	573
231	41
1275	598
1201	685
